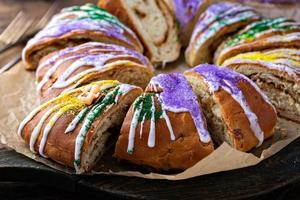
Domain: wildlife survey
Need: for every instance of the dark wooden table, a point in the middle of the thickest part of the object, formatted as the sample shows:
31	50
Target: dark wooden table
21	178
276	178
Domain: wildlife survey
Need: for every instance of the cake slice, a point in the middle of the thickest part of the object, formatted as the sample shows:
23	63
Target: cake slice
277	73
73	128
153	22
165	128
235	108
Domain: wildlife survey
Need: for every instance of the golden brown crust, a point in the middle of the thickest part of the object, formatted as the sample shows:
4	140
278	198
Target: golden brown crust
182	153
60	146
234	118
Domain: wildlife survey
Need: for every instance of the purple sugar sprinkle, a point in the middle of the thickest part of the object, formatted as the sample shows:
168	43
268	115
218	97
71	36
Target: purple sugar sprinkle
82	24
218	77
177	96
219	11
186	10
87	49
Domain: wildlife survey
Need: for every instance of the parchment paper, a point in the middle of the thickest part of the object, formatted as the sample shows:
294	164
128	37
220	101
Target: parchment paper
18	97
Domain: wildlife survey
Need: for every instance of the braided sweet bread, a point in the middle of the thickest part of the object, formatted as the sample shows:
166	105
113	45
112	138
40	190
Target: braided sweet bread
77	25
179	119
72	129
92	61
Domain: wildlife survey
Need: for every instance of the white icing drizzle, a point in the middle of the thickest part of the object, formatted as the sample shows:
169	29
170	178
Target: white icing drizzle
124	88
81	20
210	32
166	117
133	125
142	125
272	39
234	14
284	38
253	120
201	127
36	131
281	65
151	137
90	60
71	127
28	118
240	98
62	107
31	115
51	71
49	126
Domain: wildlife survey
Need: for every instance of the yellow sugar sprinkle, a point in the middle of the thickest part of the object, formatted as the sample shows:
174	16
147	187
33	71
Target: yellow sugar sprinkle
106	83
70	101
51	122
271	56
258	56
296	63
103	85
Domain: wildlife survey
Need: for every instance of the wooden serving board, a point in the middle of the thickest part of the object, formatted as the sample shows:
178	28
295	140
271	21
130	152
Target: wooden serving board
280	170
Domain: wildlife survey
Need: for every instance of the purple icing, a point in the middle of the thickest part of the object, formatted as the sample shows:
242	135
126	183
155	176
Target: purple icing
83	24
218	77
186	10
88	47
93	53
177	96
218	11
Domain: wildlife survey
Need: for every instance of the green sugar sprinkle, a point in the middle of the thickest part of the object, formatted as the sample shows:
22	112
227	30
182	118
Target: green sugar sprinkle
258	27
95	13
98	108
146	108
77	162
130	151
